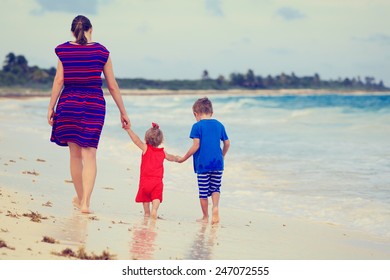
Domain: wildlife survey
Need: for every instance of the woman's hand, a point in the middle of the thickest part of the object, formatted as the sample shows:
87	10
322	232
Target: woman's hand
50	116
125	121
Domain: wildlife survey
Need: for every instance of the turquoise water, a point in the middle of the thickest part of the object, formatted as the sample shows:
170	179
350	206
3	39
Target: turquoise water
321	158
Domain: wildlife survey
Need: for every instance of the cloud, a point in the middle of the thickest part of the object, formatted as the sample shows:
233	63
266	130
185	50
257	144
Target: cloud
68	6
288	13
378	38
279	51
214	6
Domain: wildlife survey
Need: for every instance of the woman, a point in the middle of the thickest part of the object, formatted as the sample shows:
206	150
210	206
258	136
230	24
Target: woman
78	119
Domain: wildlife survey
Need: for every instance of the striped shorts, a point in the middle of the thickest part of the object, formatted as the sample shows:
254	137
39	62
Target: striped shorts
209	183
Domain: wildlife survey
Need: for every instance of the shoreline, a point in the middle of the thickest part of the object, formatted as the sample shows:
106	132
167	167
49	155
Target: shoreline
29	93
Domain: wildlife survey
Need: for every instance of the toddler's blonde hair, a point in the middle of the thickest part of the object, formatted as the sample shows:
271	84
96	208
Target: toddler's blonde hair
154	136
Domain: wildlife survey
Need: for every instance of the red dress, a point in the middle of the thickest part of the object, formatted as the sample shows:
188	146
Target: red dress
151	175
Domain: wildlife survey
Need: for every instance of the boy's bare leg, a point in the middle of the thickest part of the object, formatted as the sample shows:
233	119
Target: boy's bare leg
204	205
89	176
76	171
155	205
215	212
146	206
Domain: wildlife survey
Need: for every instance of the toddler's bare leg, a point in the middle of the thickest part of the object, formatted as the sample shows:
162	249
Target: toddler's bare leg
155	205
146	206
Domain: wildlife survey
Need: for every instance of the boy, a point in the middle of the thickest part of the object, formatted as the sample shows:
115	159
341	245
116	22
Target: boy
208	158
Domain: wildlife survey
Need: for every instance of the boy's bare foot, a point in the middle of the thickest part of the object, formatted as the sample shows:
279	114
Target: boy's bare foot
76	202
215	216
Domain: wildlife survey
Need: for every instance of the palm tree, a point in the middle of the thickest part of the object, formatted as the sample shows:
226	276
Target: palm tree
205	75
9	62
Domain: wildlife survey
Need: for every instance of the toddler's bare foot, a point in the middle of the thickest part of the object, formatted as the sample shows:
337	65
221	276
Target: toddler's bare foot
76	202
215	216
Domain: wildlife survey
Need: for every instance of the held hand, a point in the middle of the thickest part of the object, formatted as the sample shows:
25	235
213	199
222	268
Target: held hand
179	159
50	116
125	122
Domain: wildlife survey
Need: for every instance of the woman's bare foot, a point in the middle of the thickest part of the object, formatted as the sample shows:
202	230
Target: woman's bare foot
203	220
86	211
215	216
84	208
76	202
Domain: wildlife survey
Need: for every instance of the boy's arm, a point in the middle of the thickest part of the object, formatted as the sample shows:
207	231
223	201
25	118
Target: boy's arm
134	137
226	145
191	151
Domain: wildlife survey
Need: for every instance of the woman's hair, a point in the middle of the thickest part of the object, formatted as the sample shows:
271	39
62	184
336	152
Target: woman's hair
203	106
154	136
80	24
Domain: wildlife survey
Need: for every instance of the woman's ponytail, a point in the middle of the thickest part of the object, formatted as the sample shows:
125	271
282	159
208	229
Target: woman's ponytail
80	24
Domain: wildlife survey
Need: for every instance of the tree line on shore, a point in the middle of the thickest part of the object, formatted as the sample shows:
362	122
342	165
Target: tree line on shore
17	73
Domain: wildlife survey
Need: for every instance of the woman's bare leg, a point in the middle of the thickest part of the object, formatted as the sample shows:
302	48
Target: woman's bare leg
76	170
89	176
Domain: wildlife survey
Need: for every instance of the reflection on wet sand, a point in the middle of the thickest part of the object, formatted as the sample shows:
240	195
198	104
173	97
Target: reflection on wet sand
142	244
74	229
202	247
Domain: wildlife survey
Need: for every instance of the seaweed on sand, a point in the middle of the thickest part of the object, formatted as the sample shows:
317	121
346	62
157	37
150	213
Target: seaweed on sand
35	216
83	255
50	240
4	245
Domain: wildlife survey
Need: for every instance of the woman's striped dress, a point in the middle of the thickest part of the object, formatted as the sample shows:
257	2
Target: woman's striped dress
81	108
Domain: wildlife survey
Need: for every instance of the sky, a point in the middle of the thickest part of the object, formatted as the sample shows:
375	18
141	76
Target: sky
179	39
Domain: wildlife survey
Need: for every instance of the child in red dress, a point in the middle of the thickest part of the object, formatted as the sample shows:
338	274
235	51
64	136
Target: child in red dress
152	169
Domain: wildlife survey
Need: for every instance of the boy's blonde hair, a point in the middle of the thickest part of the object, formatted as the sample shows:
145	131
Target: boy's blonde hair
203	106
154	136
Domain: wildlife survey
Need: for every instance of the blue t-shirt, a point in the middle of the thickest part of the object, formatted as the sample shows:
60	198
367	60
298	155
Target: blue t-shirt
209	155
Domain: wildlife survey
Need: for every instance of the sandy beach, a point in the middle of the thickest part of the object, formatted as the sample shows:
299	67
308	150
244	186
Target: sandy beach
240	235
38	221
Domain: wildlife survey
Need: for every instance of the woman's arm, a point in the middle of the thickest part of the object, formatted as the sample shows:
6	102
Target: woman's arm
192	150
113	88
136	140
58	83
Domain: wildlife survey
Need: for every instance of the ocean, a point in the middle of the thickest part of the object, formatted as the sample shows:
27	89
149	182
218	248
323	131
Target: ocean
322	158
